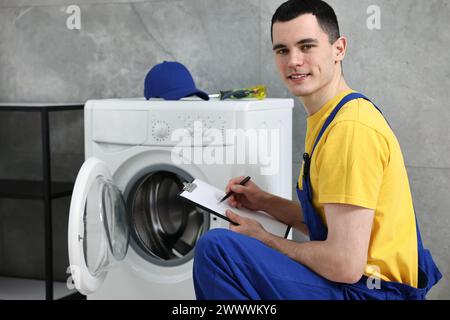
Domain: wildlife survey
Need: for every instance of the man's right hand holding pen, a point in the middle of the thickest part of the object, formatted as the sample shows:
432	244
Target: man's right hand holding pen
249	195
254	198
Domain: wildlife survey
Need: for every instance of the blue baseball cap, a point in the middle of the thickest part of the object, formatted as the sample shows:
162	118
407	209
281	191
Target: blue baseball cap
171	80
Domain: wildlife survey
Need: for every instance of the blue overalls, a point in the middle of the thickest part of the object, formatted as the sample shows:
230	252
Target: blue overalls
228	265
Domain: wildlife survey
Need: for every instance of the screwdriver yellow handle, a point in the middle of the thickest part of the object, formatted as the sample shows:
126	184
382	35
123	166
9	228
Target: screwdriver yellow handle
258	92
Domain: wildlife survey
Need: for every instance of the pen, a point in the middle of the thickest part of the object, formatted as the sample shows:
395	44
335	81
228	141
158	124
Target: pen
243	182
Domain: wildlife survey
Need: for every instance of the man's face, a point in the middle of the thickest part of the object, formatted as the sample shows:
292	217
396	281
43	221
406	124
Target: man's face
303	54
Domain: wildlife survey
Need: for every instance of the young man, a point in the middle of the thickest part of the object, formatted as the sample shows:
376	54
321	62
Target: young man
356	203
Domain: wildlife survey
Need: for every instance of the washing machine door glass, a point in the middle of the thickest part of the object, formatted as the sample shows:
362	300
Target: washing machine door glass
98	230
165	228
112	215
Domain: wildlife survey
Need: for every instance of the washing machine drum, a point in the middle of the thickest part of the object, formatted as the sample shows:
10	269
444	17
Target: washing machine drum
164	228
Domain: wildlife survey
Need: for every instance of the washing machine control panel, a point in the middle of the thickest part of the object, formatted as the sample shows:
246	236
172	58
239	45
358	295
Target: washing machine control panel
196	128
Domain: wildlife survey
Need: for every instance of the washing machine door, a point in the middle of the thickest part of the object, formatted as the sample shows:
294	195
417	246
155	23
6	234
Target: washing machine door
98	229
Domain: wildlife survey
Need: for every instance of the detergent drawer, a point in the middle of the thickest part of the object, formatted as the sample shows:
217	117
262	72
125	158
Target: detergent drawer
119	126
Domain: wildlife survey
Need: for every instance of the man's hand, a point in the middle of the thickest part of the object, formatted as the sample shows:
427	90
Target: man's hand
247	226
249	196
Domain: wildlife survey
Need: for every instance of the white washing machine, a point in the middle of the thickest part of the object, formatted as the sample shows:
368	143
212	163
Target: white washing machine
130	236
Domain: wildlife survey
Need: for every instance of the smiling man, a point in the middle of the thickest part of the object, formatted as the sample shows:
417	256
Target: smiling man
355	200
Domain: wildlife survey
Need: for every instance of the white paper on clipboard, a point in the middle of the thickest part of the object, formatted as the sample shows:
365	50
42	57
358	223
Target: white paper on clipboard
207	197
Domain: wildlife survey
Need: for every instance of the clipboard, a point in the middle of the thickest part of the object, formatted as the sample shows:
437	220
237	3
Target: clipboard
207	197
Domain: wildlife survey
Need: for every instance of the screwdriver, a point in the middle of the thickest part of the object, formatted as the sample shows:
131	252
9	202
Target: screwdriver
259	92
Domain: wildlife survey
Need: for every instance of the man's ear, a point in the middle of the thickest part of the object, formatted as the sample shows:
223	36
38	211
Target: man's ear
339	49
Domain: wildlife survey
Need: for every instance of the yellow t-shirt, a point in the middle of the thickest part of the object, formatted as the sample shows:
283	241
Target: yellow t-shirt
358	161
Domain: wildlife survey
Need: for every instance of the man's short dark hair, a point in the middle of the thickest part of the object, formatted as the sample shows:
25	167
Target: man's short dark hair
324	13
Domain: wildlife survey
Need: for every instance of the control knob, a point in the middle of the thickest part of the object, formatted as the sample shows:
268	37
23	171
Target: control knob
161	130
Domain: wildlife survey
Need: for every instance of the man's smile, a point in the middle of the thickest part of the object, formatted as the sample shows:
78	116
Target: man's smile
298	77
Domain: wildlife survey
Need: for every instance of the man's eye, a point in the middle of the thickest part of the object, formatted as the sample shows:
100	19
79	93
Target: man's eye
306	47
281	51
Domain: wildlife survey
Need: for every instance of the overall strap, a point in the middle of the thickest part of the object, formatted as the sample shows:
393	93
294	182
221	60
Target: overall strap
347	98
307	157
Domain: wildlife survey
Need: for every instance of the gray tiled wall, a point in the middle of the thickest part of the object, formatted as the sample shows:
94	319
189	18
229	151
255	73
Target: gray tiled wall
226	44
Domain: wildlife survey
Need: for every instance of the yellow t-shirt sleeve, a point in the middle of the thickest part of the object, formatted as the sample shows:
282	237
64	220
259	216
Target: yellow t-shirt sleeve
351	164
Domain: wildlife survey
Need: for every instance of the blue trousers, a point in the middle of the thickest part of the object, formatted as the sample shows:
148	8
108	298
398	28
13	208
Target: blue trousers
231	266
